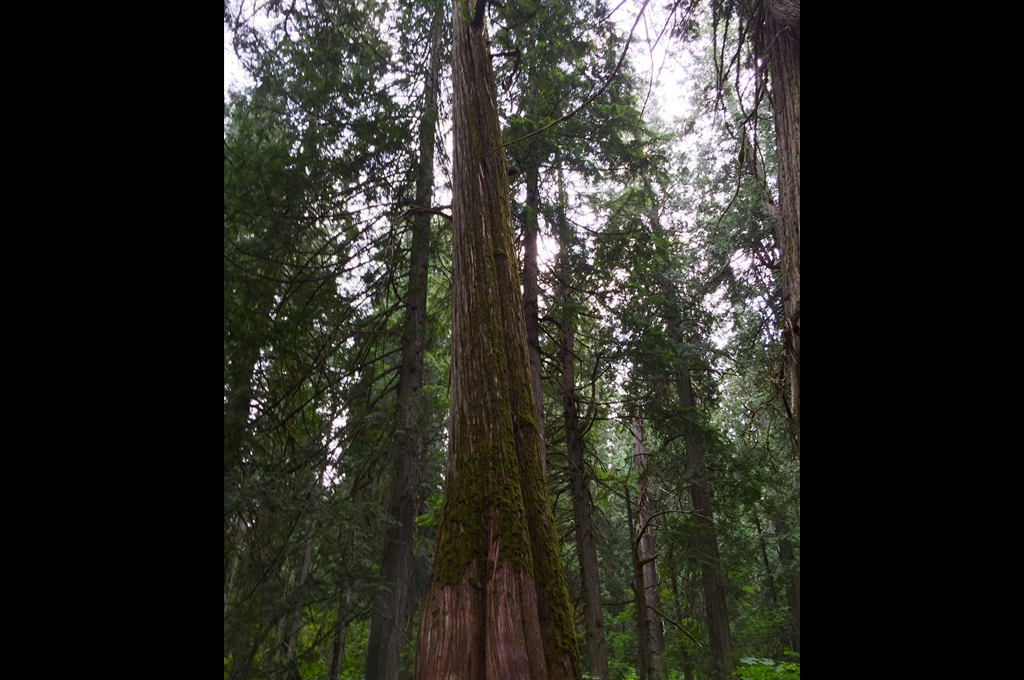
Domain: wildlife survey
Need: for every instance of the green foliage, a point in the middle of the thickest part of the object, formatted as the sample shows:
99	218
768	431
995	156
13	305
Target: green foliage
767	669
661	235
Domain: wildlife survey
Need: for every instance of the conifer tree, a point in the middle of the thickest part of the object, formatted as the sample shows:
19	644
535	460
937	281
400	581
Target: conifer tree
498	606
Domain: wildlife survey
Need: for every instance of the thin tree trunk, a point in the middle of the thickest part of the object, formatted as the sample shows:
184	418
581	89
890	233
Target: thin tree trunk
232	570
498	593
337	647
237	429
341	621
769	576
390	606
582	507
684	652
236	412
277	669
792	571
255	564
711	566
531	291
643	621
579	485
784	632
648	553
712	579
293	637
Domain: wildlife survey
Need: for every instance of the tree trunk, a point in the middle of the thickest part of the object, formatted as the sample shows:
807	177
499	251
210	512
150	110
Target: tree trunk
684	652
390	606
711	566
780	41
338	644
346	604
241	639
293	636
648	553
531	290
582	503
769	576
712	580
236	408
497	593
792	571
231	572
246	569
643	621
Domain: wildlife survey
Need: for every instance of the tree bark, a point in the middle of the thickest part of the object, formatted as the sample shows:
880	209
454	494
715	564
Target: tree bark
579	486
338	641
780	42
792	572
684	652
497	593
531	291
390	606
290	668
712	579
643	621
769	575
711	565
648	552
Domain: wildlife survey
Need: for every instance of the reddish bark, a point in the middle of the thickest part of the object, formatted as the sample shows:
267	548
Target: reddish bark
498	594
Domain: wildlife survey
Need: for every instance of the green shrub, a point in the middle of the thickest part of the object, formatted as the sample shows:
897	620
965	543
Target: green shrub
766	669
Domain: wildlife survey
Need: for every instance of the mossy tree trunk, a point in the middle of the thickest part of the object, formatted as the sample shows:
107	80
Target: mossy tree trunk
779	40
497	594
391	604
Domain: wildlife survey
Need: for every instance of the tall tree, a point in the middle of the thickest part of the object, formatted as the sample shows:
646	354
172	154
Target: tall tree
498	593
311	150
696	437
778	40
579	479
664	332
537	41
648	588
387	636
712	576
650	584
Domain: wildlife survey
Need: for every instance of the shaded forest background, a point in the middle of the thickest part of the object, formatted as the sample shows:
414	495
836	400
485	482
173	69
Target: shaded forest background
662	320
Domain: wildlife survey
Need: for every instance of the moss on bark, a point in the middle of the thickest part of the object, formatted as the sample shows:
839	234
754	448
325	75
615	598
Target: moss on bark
496	535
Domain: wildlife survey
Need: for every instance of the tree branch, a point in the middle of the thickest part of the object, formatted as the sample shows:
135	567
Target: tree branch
592	97
686	632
